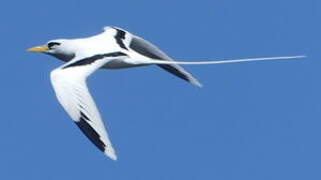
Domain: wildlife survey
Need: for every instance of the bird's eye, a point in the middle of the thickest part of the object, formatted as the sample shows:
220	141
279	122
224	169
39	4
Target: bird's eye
52	44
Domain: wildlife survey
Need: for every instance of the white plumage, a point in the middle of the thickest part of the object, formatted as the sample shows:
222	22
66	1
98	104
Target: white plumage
113	49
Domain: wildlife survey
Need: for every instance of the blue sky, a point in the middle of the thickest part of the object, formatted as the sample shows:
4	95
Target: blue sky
258	120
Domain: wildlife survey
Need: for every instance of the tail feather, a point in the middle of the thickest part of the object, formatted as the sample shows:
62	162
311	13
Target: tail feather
161	62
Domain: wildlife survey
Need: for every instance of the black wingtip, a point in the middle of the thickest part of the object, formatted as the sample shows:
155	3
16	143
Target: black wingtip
175	71
91	134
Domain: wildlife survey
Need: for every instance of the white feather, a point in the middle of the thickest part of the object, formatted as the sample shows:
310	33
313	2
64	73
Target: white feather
72	92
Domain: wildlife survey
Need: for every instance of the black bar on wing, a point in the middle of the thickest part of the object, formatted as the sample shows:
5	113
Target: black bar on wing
146	49
91	134
120	36
94	58
175	71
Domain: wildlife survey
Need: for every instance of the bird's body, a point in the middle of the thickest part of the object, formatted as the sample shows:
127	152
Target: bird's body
113	49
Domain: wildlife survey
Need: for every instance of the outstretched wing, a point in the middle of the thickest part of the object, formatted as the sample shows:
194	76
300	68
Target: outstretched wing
147	49
127	41
69	83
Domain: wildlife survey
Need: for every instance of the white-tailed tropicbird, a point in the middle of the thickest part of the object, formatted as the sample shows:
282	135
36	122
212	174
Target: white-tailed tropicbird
115	48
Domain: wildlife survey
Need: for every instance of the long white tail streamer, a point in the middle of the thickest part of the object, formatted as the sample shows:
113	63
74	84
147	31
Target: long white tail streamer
156	61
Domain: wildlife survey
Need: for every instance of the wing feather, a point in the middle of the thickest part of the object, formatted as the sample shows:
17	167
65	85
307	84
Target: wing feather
140	46
149	50
69	83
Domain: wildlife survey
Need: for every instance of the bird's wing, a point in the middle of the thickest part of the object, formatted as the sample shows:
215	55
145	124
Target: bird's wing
69	83
146	48
137	44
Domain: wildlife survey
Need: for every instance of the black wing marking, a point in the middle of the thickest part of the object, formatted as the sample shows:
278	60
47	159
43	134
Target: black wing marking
90	132
73	94
120	36
174	70
147	49
92	59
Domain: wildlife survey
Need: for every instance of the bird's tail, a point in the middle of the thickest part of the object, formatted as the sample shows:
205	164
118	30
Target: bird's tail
174	68
161	62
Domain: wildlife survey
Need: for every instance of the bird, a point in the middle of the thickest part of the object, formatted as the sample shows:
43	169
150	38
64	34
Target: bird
114	48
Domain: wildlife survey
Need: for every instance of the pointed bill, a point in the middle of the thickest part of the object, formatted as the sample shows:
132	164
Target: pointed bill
38	49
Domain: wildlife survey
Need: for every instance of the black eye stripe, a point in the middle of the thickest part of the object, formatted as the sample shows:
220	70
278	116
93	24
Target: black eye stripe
51	44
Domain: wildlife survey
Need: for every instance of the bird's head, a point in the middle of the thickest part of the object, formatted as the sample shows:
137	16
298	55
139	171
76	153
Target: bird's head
60	48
